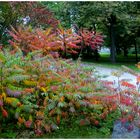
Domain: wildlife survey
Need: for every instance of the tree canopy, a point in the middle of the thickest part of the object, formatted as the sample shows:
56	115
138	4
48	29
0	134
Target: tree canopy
118	21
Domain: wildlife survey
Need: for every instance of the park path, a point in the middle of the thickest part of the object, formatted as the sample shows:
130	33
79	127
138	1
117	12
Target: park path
107	75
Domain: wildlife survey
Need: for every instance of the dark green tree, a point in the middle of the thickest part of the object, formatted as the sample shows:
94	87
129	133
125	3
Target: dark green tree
8	17
115	19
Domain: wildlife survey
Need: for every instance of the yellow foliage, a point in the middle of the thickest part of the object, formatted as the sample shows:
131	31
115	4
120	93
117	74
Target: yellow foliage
30	118
4	96
43	89
21	120
62	99
9	100
138	65
30	83
40	115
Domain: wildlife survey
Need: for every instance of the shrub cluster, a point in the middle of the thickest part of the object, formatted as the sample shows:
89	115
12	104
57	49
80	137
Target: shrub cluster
40	92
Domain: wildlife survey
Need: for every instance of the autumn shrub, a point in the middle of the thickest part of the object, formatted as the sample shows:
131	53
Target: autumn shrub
67	90
92	39
68	41
40	93
62	42
91	42
78	43
28	39
127	99
55	43
13	70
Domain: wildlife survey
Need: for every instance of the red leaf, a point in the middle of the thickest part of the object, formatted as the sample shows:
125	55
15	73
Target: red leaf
4	113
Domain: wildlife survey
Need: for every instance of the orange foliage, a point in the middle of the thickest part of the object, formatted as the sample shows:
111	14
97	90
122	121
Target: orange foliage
91	39
126	84
68	41
29	40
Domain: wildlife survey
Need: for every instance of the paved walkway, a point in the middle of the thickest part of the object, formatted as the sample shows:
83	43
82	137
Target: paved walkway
107	75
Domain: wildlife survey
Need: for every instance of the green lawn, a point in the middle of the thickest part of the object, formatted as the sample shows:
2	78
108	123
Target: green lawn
75	131
67	129
72	129
104	61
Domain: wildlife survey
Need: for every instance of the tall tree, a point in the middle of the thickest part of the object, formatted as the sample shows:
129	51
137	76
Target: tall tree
16	13
104	16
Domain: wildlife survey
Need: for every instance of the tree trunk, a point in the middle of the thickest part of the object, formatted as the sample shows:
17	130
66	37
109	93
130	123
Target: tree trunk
1	37
96	55
65	51
64	45
113	47
125	52
82	43
136	51
118	51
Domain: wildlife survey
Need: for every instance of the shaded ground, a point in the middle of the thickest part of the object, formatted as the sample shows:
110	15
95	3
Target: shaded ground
104	60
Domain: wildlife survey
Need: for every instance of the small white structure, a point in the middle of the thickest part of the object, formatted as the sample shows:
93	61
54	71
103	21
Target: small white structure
104	50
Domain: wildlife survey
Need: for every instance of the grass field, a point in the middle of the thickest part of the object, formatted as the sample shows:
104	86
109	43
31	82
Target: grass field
104	61
67	129
63	132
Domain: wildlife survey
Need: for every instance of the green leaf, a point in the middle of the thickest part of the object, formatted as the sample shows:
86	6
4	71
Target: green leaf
26	108
51	106
97	106
77	96
17	78
58	111
61	104
15	102
2	57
